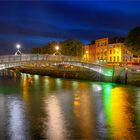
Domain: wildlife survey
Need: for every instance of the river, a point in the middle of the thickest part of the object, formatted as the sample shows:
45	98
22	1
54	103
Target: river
41	107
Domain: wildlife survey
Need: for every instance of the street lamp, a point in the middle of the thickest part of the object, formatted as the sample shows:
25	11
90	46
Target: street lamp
18	52
18	46
57	50
86	52
87	55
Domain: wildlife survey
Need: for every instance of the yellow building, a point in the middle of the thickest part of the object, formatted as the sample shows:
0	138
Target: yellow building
118	54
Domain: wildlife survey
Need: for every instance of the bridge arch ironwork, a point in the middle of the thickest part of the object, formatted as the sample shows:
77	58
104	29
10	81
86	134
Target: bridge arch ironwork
8	61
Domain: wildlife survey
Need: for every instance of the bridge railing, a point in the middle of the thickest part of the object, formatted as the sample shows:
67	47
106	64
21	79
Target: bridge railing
17	60
35	57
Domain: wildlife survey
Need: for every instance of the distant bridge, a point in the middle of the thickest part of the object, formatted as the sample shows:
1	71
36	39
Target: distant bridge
8	61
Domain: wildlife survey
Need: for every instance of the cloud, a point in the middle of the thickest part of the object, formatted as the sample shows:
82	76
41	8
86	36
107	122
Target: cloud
36	23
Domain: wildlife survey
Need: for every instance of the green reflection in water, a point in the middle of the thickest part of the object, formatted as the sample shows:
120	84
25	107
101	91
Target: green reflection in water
76	111
119	112
75	85
59	83
106	100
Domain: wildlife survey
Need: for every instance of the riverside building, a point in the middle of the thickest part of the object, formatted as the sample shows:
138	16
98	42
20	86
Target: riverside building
106	51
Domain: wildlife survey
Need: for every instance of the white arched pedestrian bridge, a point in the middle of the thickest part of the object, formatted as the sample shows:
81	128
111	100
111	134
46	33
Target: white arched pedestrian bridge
9	61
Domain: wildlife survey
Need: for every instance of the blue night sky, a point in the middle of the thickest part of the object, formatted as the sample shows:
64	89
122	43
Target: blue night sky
34	23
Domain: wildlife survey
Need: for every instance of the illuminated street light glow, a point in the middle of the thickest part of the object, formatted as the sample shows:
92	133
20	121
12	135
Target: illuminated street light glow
18	51
57	48
18	46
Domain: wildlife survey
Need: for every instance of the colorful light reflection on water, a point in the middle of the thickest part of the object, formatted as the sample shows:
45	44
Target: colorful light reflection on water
41	107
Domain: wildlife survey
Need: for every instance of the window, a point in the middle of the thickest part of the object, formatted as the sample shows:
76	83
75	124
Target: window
118	58
114	58
124	58
110	51
110	58
130	58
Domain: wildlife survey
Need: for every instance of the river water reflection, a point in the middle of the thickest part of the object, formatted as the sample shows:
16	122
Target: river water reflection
41	107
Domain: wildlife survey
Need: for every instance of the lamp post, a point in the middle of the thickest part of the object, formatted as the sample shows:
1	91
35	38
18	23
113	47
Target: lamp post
57	50
87	55
18	46
126	76
18	52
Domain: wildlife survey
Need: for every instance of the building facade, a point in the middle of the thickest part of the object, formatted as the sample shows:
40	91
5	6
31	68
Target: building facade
101	46
111	53
89	53
118	54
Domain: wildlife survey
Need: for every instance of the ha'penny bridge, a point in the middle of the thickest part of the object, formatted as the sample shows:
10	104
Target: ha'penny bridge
10	61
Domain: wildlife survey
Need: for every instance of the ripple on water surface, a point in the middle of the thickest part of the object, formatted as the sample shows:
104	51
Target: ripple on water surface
35	107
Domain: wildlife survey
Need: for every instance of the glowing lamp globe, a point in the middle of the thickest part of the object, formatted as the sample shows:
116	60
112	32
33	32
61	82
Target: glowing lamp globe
18	46
57	48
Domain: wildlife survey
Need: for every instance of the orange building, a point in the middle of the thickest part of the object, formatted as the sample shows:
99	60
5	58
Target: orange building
101	49
89	53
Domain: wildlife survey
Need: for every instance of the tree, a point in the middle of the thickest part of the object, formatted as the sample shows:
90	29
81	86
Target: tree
92	42
49	48
36	50
132	41
72	47
116	39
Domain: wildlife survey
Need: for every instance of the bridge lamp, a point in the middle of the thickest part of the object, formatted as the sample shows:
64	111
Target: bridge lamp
18	46
57	48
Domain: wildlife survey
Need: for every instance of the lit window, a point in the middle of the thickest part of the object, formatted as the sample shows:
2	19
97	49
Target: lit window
118	58
114	58
124	58
110	58
130	58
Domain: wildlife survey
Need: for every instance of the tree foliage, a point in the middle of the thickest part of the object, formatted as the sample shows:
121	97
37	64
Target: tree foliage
48	48
71	47
92	42
132	41
116	40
